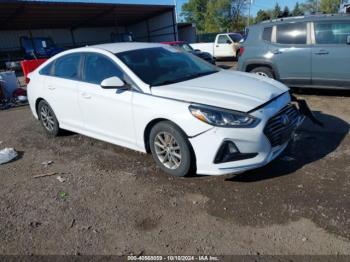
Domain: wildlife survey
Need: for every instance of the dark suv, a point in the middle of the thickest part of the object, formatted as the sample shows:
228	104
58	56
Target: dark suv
308	51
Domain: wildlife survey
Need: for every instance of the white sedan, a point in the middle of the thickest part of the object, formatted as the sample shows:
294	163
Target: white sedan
192	116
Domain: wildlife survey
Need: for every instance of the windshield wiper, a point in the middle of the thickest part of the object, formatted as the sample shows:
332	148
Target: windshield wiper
189	77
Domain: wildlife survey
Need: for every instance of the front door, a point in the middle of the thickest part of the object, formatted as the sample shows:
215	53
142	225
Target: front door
331	54
107	112
224	47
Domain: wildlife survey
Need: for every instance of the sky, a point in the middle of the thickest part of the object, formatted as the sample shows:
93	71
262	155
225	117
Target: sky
257	4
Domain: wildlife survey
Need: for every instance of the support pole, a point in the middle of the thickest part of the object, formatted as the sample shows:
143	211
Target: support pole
174	23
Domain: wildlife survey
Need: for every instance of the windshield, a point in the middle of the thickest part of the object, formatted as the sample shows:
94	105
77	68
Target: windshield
183	47
165	65
236	37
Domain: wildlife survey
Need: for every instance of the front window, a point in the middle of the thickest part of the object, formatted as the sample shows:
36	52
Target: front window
224	39
165	65
97	68
332	32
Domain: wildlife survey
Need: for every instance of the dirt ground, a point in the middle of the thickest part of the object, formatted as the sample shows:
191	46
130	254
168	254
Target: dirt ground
116	201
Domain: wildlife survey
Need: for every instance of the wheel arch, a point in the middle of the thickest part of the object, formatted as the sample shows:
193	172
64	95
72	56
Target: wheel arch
147	132
155	121
38	100
260	63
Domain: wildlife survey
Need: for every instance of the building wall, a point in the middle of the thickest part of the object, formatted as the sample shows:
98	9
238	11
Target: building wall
157	29
96	35
187	33
62	37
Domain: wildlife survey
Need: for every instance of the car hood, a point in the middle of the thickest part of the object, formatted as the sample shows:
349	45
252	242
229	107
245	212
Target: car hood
226	89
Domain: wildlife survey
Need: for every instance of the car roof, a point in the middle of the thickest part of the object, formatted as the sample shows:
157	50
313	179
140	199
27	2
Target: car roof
173	43
127	46
305	18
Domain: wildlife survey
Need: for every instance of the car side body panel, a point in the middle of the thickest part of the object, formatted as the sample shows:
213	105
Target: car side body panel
300	65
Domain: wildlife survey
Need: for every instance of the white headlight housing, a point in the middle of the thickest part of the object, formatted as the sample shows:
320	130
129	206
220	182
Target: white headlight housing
223	118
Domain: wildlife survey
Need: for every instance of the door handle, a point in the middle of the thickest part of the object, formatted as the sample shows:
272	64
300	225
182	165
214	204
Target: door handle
217	45
85	95
50	87
277	52
322	52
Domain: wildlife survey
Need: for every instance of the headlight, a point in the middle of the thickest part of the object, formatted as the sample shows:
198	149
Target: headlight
222	117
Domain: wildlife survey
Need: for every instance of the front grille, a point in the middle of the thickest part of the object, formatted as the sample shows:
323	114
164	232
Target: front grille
280	127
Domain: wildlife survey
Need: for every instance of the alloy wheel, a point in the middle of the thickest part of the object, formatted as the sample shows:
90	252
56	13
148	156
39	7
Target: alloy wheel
168	150
47	118
261	74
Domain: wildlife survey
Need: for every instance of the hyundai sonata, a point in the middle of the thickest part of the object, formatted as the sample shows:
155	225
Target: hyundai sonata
191	115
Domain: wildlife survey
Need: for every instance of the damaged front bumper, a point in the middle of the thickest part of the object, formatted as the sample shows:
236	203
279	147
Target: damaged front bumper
251	147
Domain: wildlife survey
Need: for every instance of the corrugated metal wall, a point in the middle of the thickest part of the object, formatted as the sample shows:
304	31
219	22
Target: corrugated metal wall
157	29
187	33
9	40
90	36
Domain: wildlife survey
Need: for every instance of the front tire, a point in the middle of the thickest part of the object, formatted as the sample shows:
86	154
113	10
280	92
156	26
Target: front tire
48	119
170	149
263	71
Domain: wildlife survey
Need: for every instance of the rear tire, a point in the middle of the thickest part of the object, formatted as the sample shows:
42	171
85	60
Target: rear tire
48	119
263	71
170	149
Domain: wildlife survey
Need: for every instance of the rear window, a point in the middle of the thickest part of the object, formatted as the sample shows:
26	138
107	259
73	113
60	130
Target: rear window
291	34
236	37
67	66
46	70
267	34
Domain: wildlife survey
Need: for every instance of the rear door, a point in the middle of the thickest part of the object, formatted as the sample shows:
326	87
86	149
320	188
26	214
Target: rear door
61	90
290	52
223	47
331	54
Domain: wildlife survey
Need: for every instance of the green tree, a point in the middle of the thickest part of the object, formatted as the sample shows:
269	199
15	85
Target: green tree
276	12
262	15
286	12
215	15
310	6
211	23
329	6
297	11
194	11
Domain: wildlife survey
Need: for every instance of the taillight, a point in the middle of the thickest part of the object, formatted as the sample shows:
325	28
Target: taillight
241	51
27	80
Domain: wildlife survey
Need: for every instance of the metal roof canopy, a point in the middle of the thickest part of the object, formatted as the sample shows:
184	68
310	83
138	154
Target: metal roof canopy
25	15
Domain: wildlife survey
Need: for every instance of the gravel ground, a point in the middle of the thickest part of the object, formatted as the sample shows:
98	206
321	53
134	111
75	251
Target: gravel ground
116	201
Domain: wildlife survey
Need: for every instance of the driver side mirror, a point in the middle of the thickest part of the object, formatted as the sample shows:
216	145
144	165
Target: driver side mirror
348	40
113	82
228	42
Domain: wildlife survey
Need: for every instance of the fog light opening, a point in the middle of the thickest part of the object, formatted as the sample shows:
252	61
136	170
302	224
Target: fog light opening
229	152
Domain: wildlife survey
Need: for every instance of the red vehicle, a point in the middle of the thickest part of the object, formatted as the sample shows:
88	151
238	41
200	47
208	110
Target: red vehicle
184	46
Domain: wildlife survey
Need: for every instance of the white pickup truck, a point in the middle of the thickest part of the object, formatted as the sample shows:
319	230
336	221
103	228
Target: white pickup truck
225	45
